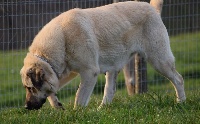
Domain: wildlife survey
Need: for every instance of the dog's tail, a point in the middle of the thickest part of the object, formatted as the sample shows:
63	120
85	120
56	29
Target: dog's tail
157	4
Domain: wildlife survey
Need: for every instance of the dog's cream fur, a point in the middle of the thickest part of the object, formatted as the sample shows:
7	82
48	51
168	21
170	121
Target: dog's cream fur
100	40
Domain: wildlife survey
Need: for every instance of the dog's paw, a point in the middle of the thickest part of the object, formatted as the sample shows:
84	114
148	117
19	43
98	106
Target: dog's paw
181	100
100	107
59	106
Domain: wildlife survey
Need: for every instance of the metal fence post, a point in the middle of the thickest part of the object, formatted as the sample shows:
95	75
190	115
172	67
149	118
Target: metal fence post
115	1
140	74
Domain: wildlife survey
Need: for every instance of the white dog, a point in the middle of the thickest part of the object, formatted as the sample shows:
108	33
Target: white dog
93	41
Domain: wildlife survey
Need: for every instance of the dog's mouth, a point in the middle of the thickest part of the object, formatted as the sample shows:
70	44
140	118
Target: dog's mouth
34	105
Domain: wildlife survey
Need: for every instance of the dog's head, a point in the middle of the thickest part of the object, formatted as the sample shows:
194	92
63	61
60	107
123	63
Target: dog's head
39	81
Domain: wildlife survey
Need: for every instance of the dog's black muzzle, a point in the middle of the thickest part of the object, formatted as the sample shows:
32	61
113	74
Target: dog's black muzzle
34	105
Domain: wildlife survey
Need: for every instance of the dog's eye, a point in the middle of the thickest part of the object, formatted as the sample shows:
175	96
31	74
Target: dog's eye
32	89
29	89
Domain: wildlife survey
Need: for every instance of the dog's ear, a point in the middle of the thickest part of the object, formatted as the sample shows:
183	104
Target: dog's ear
37	76
41	74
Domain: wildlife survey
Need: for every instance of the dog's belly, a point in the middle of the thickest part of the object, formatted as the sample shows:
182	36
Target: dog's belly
113	61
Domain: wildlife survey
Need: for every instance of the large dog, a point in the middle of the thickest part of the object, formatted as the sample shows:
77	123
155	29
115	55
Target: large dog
93	41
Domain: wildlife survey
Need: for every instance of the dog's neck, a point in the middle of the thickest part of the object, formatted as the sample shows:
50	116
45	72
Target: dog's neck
45	60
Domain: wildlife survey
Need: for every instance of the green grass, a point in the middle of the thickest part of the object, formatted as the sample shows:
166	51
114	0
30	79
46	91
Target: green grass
156	107
145	108
11	91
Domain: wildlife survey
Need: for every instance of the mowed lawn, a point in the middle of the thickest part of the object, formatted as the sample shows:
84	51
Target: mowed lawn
156	106
145	108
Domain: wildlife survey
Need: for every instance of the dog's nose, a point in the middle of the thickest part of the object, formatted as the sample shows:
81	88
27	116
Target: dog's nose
30	106
27	106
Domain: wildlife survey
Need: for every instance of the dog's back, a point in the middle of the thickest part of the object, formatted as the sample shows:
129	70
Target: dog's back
117	29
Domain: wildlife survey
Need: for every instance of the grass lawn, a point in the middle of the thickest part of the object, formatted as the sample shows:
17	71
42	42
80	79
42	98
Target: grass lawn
156	106
145	108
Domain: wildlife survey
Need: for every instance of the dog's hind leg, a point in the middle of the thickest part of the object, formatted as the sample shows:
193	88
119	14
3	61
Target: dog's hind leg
166	66
110	87
88	81
129	77
158	53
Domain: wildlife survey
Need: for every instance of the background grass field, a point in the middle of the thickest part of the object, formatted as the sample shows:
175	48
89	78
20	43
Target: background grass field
156	106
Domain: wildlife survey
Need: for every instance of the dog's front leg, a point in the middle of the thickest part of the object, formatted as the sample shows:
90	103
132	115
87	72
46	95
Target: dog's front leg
110	87
88	81
54	102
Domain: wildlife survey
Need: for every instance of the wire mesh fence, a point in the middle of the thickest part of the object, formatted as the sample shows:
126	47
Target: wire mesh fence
20	21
